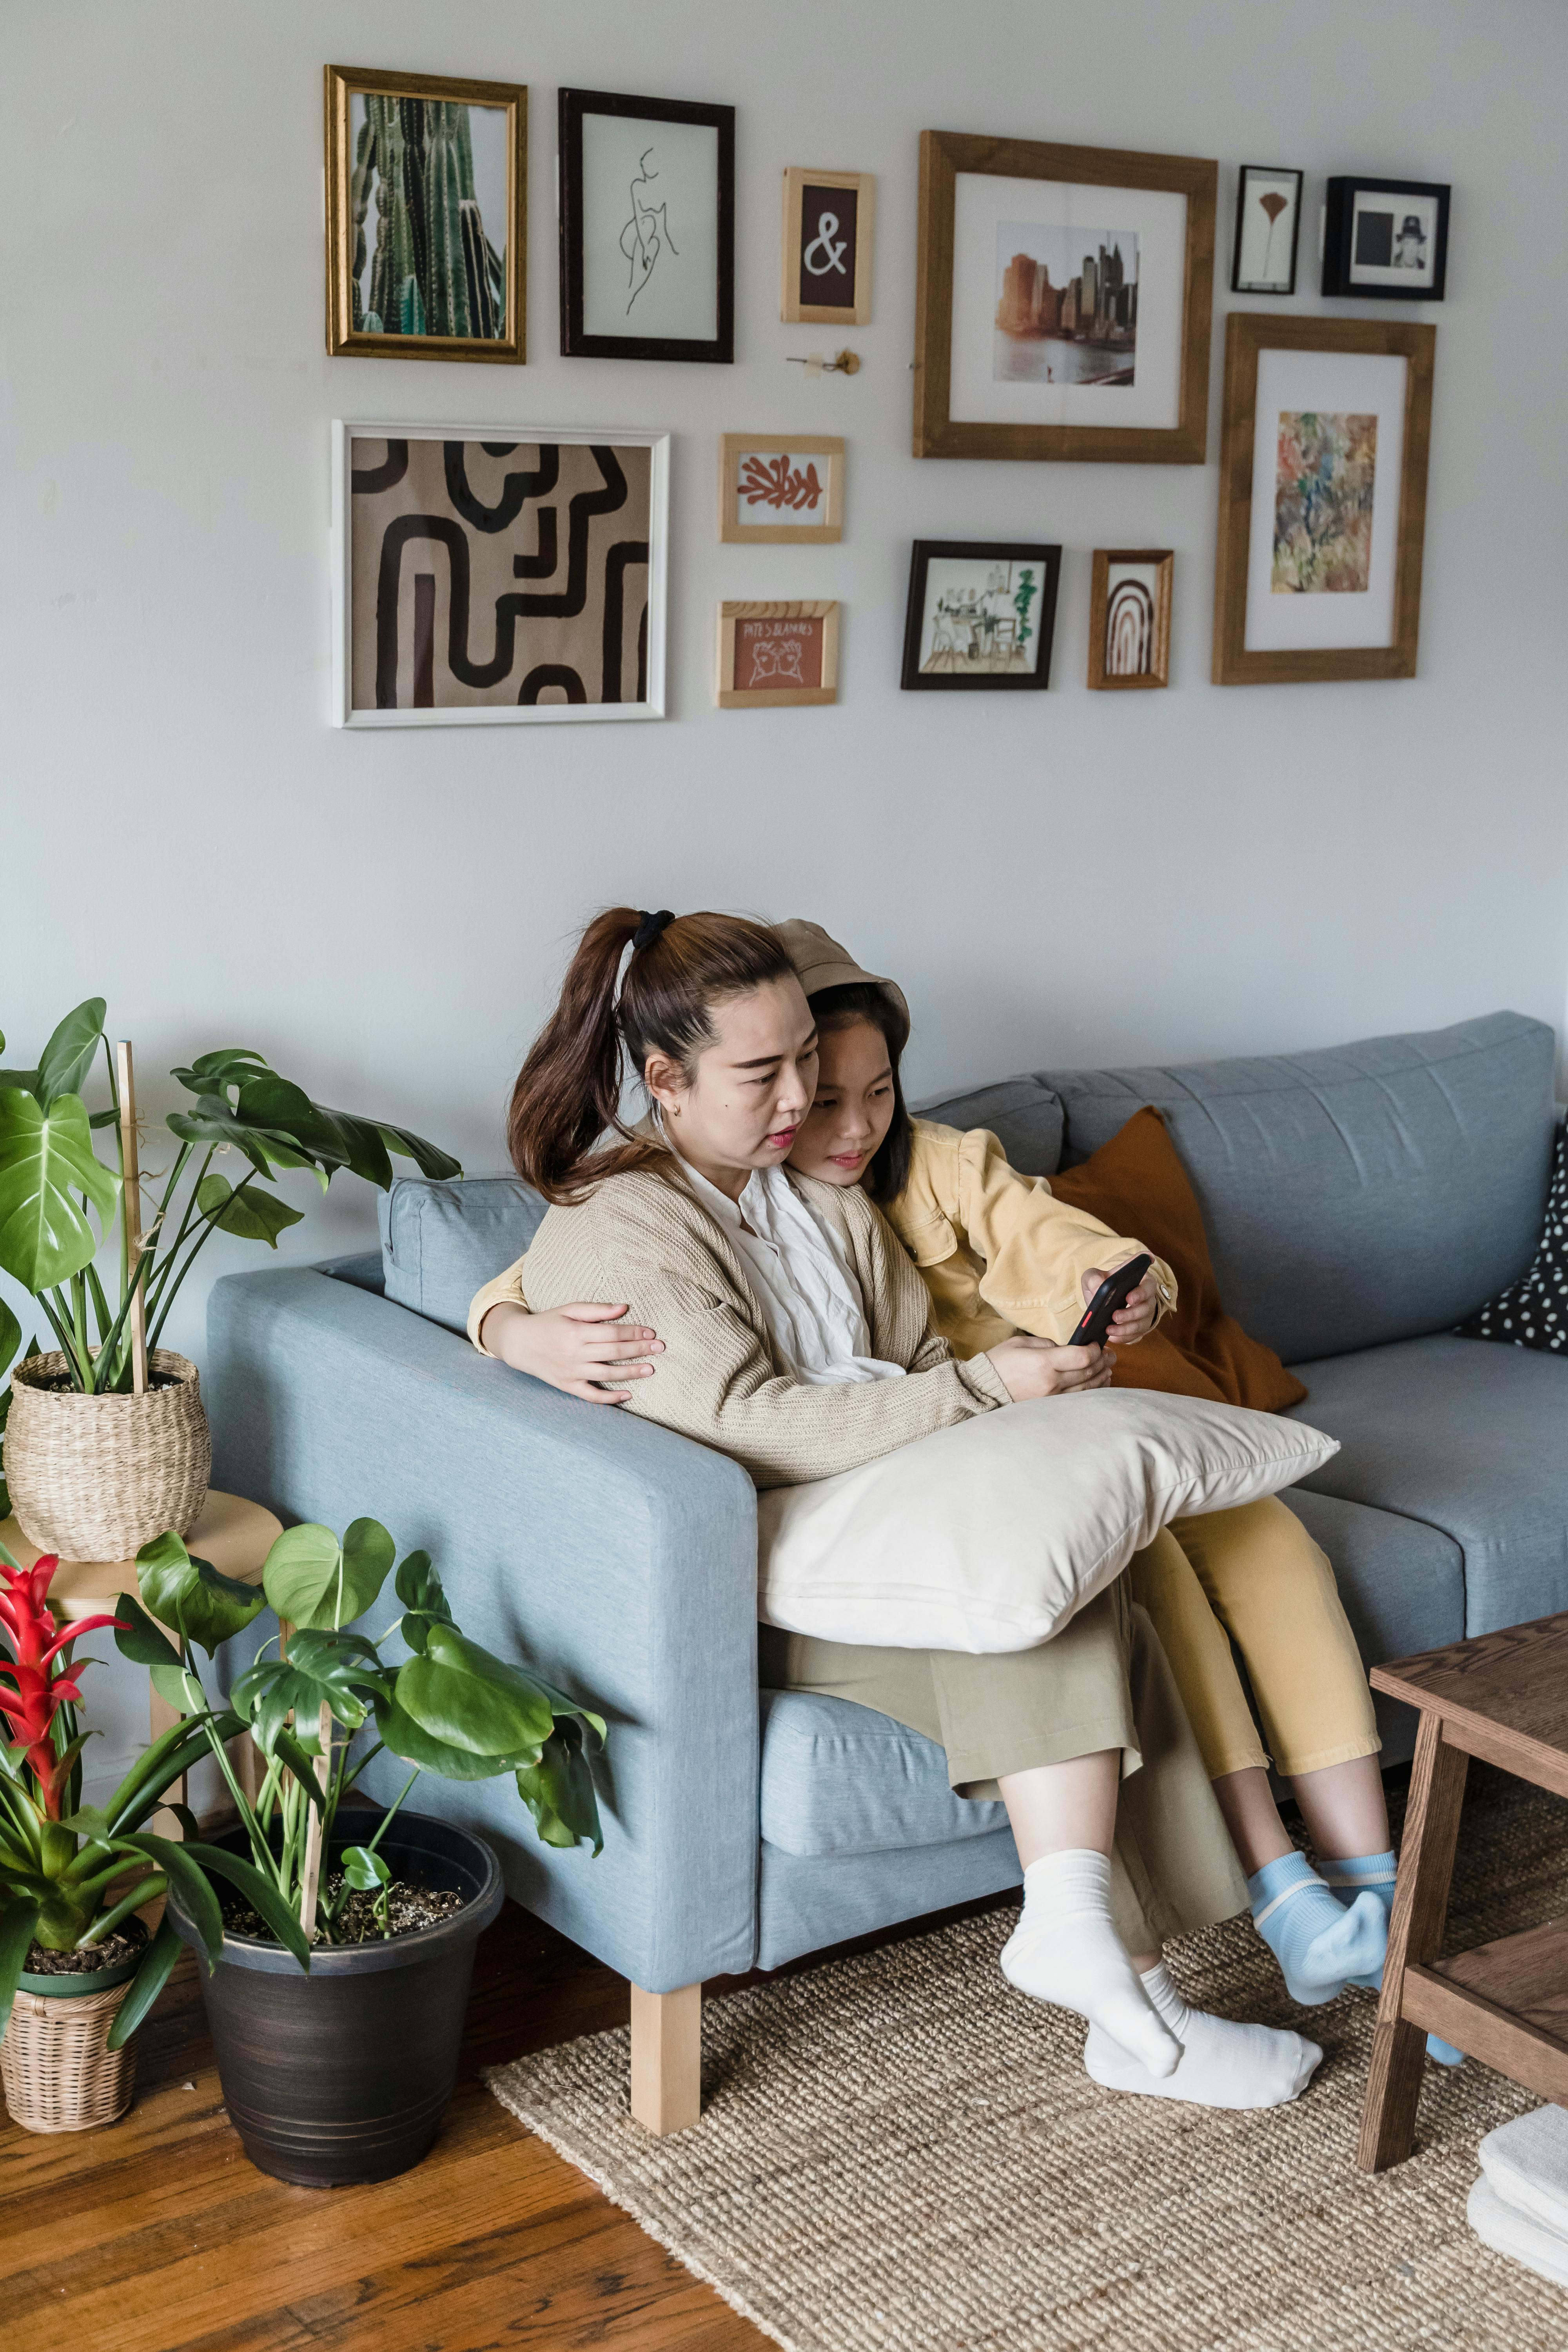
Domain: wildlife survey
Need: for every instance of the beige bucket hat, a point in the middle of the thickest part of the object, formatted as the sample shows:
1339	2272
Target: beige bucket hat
820	962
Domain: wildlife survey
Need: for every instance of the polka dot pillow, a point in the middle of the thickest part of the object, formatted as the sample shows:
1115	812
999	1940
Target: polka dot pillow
1534	1312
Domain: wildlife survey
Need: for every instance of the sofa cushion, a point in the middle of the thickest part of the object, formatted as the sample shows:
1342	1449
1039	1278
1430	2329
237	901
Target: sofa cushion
1356	1196
1469	1440
442	1242
1023	1114
838	1778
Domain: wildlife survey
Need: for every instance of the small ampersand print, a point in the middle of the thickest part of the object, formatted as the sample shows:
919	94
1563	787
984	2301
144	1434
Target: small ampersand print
822	242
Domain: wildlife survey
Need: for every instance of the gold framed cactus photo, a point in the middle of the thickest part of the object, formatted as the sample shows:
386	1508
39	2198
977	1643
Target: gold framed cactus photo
426	217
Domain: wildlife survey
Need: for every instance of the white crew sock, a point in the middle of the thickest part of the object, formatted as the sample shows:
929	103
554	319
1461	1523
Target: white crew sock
1222	2066
1066	1949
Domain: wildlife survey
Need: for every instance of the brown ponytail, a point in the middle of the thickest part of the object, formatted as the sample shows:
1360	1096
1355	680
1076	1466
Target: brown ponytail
568	1091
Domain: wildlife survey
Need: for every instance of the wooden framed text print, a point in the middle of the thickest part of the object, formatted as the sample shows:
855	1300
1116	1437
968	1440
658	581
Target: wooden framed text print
1063	301
829	227
488	574
1129	616
647	228
980	615
426	217
792	488
775	654
1323	498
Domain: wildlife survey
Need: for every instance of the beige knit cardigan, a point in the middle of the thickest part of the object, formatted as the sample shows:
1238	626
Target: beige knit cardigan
647	1239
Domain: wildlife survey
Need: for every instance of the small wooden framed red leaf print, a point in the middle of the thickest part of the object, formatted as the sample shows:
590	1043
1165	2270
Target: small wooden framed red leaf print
777	653
788	488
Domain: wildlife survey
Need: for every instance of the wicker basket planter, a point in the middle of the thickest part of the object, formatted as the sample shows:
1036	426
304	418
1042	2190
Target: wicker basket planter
58	2075
95	1477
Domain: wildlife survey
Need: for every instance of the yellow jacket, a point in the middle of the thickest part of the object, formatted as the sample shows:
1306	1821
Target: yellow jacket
997	1251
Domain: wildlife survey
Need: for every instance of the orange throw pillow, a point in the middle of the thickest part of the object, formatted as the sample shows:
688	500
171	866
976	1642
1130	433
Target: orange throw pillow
1137	1185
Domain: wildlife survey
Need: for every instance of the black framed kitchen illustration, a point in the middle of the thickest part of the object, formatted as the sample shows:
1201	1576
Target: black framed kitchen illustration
647	228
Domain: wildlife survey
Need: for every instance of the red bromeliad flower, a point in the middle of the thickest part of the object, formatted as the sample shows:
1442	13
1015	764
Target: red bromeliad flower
40	1676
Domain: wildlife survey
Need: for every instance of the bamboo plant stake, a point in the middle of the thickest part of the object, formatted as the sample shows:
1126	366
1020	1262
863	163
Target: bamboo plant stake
311	1876
130	1203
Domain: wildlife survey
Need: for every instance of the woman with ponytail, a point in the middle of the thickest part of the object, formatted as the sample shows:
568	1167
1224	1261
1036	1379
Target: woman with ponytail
798	1338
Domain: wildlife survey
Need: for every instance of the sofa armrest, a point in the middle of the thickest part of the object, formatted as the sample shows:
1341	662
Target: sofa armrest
616	1558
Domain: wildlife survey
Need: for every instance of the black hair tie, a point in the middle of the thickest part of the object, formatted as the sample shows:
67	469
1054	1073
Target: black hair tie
650	928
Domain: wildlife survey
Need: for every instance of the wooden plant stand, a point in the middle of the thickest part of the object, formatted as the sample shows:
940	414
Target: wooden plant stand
1503	1698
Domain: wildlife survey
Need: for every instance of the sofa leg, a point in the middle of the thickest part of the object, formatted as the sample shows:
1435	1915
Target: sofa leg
666	2058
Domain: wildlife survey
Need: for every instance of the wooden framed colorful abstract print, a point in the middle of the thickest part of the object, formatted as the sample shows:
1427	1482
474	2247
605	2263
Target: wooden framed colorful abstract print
426	217
829	231
791	487
1323	498
1130	617
492	574
773	655
1063	301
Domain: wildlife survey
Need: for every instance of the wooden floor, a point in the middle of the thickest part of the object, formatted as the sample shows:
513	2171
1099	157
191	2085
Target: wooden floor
158	2235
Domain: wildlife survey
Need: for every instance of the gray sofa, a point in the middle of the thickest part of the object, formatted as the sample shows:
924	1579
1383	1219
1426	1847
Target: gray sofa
1359	1201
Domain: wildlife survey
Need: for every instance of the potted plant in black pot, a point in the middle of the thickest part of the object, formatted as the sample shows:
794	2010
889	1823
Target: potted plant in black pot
336	2005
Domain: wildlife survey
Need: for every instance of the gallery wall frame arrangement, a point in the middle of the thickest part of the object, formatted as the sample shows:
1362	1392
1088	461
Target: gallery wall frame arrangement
1386	240
830	237
1268	230
647	228
787	488
1130	617
1325	431
488	574
980	615
1063	301
437	269
774	655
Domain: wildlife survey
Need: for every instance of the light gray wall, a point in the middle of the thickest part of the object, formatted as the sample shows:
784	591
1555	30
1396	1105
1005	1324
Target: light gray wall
1074	878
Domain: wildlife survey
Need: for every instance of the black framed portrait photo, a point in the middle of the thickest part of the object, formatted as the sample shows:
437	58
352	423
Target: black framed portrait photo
1386	240
980	615
647	228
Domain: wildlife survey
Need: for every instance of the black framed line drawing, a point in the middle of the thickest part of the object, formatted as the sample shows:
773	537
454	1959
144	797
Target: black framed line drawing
980	615
1386	240
647	228
1267	226
486	574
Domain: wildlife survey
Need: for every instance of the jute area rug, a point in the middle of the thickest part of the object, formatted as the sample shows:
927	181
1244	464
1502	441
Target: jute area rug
899	2154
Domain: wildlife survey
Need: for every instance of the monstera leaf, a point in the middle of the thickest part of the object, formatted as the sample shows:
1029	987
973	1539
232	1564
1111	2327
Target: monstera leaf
46	1160
193	1596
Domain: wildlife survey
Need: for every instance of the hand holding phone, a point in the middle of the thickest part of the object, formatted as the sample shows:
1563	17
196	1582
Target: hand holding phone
1113	1292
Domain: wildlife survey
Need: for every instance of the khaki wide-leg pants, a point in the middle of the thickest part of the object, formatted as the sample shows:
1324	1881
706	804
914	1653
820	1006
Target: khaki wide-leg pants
1102	1682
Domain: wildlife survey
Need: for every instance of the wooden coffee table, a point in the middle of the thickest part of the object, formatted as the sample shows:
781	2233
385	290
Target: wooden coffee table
1503	1698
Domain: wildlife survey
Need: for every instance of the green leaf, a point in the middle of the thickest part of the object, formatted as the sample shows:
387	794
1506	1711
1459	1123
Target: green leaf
66	1060
416	1746
10	1341
138	1639
465	1697
182	1591
430	1160
211	1121
230	1065
363	1870
420	1588
181	1865
17	1921
559	1790
46	1160
311	1580
245	1212
323	1135
281	1914
157	1965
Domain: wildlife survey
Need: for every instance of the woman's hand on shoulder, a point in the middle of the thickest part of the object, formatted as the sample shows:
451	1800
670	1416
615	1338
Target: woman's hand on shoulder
1037	1367
574	1348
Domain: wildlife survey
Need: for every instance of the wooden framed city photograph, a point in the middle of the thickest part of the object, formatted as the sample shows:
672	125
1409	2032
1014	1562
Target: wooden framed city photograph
647	228
980	615
791	487
1130	617
1063	301
1323	510
777	653
426	217
830	230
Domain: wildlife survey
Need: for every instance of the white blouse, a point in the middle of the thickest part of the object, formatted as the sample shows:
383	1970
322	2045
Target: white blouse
803	1281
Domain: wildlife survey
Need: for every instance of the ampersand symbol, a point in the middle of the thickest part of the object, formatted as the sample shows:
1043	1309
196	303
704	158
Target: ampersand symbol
827	230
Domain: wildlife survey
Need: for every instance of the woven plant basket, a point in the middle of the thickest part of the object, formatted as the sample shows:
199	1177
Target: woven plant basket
95	1477
58	2075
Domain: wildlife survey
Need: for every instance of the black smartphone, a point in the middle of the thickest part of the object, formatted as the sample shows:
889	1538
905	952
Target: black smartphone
1113	1292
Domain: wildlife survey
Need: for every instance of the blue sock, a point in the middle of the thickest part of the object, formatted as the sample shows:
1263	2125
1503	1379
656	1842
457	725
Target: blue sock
1374	1873
1320	1944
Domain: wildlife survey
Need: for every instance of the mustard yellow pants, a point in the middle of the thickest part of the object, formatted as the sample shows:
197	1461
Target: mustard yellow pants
1254	1577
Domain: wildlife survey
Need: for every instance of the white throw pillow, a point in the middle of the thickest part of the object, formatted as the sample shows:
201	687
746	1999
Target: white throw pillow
989	1535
